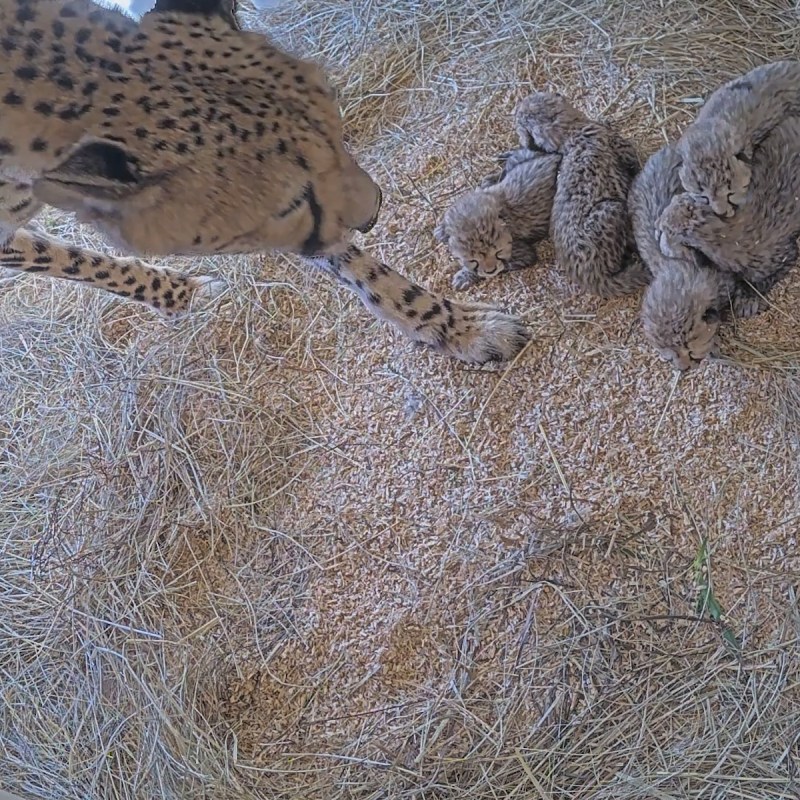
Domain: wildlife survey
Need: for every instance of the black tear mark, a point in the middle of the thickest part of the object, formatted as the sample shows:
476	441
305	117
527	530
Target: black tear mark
312	244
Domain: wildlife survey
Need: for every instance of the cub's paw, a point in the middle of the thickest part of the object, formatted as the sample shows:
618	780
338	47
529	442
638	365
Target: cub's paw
465	278
440	233
668	247
747	303
480	334
493	179
681	221
509	160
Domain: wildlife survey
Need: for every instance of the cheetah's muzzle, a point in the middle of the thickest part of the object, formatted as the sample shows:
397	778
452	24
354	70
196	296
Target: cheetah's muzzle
372	221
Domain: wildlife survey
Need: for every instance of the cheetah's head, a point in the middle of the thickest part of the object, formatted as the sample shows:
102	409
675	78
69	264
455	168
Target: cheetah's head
545	120
681	313
476	235
715	167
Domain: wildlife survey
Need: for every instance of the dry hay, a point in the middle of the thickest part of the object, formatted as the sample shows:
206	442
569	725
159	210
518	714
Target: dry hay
276	552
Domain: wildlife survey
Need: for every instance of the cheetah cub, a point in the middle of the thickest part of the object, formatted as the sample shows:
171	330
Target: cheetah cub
688	298
590	228
716	150
495	228
759	243
707	268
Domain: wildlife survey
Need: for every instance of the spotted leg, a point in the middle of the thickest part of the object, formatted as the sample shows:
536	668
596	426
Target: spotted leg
17	207
471	332
165	290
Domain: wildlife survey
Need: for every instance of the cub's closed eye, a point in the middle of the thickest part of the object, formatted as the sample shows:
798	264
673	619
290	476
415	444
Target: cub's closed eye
473	262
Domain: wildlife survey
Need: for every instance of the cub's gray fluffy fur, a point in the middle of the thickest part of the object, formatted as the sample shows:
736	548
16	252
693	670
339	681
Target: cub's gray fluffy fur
682	307
717	148
495	228
508	161
590	227
707	268
758	243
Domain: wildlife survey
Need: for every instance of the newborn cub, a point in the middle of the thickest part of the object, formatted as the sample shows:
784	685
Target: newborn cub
759	243
688	298
590	226
705	267
716	150
495	228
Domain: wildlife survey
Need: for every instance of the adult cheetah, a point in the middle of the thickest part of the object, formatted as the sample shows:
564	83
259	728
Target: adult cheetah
181	134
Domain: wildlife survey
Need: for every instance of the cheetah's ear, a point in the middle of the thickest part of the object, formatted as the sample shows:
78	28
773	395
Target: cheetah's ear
98	170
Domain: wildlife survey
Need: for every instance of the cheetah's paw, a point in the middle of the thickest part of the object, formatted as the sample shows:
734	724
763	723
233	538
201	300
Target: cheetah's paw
481	334
440	233
668	247
200	292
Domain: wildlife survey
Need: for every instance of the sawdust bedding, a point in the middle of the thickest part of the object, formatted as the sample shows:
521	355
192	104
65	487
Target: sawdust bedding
359	570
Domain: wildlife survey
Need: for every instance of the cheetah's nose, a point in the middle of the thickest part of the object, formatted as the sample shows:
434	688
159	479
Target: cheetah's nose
370	223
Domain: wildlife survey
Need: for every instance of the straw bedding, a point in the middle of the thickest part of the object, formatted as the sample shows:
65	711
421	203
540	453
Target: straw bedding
273	551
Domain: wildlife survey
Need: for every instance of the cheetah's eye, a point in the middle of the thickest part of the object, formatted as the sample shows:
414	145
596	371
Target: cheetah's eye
473	262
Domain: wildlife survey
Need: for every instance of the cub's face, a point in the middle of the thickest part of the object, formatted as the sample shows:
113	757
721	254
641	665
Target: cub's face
477	237
710	170
483	251
681	318
545	120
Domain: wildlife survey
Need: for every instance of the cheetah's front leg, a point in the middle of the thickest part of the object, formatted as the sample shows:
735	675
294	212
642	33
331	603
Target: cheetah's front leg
470	332
17	208
163	289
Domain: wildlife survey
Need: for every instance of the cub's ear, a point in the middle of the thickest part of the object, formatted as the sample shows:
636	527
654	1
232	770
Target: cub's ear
226	9
97	171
